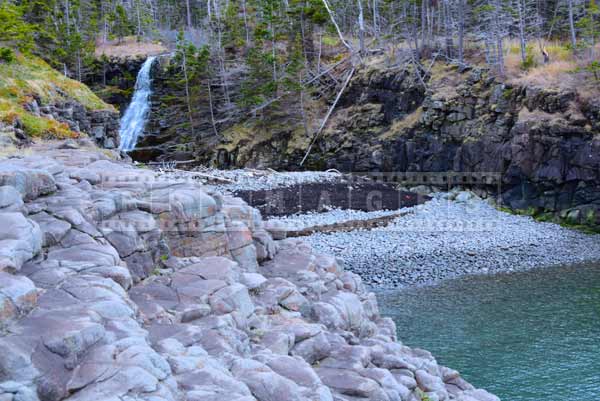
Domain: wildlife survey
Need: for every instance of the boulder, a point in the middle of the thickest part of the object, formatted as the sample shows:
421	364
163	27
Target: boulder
232	298
31	183
20	240
264	383
11	200
348	382
18	295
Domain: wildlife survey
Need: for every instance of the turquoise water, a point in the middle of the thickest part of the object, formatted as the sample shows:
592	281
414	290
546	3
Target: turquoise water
529	336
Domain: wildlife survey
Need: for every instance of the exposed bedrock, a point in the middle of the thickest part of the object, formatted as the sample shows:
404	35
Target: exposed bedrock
117	283
543	144
101	125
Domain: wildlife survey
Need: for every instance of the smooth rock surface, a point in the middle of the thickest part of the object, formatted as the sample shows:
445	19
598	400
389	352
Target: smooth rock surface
127	284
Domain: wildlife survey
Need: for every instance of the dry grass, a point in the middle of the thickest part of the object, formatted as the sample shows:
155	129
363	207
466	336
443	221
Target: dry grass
563	72
555	75
130	47
534	116
399	126
445	80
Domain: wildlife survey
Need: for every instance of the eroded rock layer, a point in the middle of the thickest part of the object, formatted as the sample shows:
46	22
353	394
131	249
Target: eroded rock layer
120	284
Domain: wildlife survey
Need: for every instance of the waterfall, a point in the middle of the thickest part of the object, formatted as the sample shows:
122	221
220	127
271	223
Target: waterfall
134	120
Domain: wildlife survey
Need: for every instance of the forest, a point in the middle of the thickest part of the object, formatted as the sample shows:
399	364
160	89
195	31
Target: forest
283	46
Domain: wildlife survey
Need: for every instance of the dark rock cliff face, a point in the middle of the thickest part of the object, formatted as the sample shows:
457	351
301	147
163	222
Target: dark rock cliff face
171	133
543	145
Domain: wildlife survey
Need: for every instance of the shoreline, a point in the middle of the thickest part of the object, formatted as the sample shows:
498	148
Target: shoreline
444	239
386	291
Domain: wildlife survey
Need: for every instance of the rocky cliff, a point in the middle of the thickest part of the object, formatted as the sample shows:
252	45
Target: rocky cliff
541	146
544	145
120	283
37	103
172	133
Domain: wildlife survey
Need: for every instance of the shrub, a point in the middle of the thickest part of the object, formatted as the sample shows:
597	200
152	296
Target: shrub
530	61
594	68
7	55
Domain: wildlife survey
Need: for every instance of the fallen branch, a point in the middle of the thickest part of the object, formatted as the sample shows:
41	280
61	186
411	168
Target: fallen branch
268	103
196	175
337	99
327	71
337	27
173	162
346	226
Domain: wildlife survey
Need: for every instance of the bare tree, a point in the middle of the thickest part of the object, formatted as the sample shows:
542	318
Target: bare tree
461	30
361	27
572	26
189	13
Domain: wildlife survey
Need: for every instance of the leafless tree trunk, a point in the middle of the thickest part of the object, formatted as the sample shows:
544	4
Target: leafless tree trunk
187	89
376	28
246	22
189	13
337	27
522	38
415	34
320	52
448	31
572	26
219	49
324	123
361	27
461	31
212	109
424	28
139	21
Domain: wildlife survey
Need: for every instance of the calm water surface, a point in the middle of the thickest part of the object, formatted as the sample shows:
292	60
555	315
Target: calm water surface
532	336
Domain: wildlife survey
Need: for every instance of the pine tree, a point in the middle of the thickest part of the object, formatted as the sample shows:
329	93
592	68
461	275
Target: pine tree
122	26
233	37
15	32
590	27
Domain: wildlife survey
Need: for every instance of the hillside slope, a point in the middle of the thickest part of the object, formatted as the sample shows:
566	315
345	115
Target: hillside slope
37	102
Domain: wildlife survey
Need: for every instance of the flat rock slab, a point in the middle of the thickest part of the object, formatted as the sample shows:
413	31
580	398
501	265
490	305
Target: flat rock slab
319	197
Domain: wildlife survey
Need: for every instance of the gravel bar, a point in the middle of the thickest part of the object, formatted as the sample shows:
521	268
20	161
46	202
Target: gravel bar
334	216
443	239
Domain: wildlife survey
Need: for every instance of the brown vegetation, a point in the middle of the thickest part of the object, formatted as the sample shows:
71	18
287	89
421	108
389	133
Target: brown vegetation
129	47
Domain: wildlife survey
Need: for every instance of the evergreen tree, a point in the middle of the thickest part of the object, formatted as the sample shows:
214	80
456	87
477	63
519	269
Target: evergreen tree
589	26
259	85
14	31
234	36
122	26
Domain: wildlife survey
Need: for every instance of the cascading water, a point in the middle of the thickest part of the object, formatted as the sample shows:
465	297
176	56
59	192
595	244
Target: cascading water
134	120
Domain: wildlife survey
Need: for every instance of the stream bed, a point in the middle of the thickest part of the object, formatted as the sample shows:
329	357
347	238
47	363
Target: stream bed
526	336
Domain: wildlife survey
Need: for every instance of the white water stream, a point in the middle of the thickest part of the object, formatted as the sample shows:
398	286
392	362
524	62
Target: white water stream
135	117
